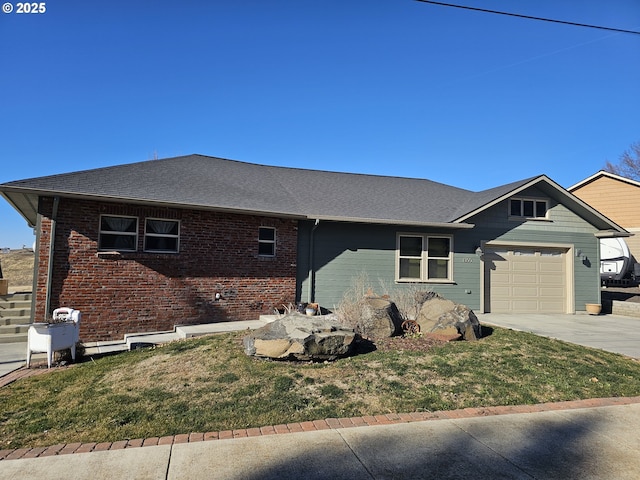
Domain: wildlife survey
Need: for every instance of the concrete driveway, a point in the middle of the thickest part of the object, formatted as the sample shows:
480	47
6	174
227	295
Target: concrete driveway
613	333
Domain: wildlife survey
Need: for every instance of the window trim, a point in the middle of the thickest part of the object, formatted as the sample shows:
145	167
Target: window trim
115	232
535	208
267	242
161	235
424	258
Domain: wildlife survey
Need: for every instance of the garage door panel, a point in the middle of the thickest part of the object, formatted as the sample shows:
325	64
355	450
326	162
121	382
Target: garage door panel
502	292
520	279
552	280
551	267
500	306
525	306
520	266
526	280
518	291
549	294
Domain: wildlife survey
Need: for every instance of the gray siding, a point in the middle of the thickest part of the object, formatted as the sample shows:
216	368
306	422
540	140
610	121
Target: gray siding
344	252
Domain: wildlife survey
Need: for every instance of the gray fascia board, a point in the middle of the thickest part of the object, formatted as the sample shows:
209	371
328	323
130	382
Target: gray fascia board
383	221
142	201
613	234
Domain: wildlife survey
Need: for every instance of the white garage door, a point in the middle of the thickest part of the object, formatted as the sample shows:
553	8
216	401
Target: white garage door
525	280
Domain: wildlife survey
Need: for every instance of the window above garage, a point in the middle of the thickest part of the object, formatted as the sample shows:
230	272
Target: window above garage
528	208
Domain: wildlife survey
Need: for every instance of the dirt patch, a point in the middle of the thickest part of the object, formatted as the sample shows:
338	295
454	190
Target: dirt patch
17	267
413	344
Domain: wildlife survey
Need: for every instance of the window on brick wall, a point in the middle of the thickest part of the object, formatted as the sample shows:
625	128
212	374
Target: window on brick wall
162	236
118	233
267	242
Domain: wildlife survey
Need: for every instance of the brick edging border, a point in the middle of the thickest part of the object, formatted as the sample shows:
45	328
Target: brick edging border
309	426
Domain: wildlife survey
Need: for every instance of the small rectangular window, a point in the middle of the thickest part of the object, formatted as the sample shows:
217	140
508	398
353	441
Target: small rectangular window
410	257
162	236
515	209
527	208
118	233
438	255
267	242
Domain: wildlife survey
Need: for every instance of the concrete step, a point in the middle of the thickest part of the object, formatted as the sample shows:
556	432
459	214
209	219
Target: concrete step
15	317
22	320
23	304
13	329
14	338
16	297
15	312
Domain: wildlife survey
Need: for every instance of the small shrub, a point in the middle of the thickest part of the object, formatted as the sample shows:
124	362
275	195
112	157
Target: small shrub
350	309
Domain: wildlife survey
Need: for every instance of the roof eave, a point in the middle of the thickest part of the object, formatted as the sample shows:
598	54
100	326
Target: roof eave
386	221
458	225
603	173
613	234
139	201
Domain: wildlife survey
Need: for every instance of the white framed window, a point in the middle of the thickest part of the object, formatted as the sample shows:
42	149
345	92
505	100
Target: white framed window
118	233
161	235
528	208
424	258
267	242
410	258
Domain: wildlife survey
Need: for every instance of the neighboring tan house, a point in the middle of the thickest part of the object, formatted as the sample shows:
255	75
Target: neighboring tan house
616	197
196	239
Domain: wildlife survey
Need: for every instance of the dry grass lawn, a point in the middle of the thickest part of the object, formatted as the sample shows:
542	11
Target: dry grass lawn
17	267
209	384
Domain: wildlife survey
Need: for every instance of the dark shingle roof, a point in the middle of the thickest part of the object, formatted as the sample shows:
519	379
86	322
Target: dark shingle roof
214	183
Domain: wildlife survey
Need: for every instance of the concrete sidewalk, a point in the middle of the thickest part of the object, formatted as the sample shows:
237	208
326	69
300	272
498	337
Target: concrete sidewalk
586	443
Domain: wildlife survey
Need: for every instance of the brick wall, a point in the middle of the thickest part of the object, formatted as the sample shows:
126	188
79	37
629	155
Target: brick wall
628	309
142	292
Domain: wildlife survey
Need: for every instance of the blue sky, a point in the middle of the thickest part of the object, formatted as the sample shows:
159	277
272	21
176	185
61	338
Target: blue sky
389	87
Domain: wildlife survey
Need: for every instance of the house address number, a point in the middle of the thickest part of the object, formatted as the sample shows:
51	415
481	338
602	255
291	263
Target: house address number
467	260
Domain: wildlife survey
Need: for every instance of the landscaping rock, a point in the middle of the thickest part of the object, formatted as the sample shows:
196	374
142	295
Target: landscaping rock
301	337
439	315
380	318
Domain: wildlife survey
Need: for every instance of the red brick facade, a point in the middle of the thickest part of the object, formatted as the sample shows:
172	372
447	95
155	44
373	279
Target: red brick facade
131	292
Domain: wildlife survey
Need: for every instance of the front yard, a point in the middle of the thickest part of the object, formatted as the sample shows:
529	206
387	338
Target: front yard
209	384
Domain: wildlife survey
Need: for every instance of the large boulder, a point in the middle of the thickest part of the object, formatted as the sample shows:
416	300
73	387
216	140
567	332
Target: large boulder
301	337
379	318
441	316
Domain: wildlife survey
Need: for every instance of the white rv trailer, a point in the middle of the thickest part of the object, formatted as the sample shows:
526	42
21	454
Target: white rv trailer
615	259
